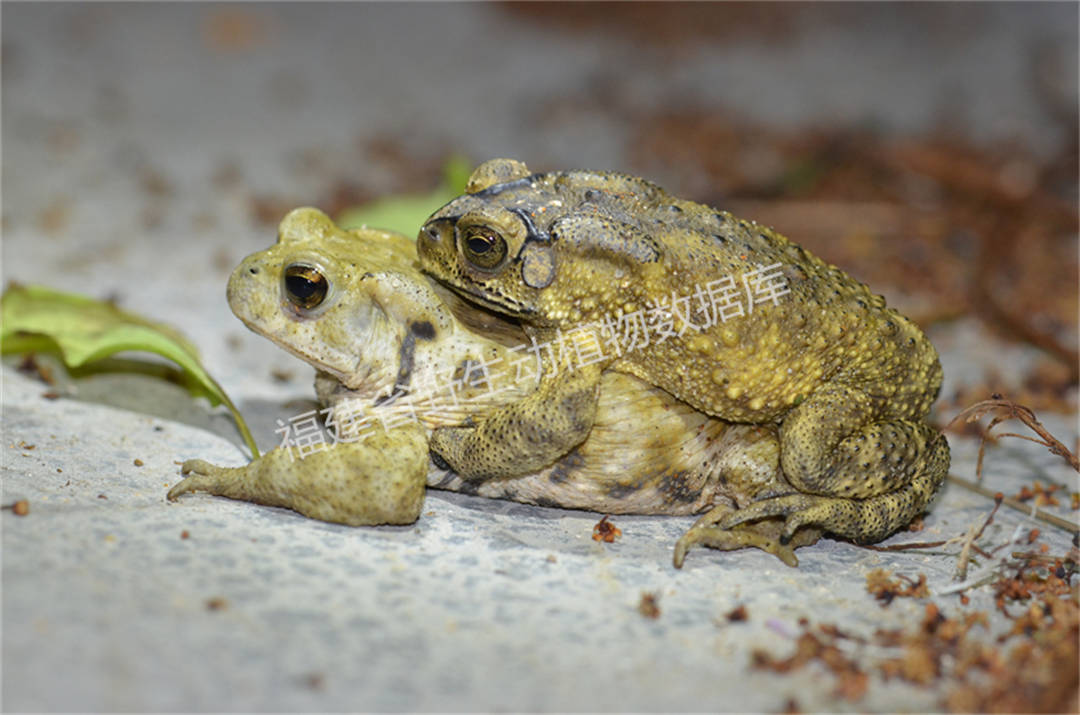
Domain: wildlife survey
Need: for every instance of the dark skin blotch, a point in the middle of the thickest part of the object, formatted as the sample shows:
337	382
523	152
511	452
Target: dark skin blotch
676	489
423	329
565	467
622	491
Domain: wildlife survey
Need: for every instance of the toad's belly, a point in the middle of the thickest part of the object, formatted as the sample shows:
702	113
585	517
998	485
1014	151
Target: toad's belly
647	453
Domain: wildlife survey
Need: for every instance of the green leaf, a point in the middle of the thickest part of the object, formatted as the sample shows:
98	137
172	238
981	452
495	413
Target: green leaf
404	214
84	330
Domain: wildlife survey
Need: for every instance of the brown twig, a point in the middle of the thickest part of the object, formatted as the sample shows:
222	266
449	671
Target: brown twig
998	498
972	537
1017	504
907	546
1045	559
965	553
1020	412
932	544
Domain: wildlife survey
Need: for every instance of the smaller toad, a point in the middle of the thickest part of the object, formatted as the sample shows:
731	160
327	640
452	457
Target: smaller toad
397	356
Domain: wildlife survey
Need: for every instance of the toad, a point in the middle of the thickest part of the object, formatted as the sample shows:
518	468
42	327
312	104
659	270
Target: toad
397	356
608	274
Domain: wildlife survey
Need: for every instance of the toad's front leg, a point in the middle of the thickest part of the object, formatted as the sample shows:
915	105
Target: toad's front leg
525	436
379	480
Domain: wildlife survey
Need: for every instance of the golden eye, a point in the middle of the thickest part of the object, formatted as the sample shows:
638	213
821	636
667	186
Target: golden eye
483	247
305	286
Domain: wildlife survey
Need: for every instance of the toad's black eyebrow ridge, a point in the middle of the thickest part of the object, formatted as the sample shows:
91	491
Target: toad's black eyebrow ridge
532	232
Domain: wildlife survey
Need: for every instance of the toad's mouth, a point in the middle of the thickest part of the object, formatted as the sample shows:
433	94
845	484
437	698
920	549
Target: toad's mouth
475	292
500	304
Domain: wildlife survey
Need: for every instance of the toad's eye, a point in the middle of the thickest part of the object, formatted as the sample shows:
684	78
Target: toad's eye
483	247
305	286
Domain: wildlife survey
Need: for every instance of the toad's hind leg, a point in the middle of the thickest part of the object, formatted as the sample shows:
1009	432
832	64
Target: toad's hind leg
858	478
379	480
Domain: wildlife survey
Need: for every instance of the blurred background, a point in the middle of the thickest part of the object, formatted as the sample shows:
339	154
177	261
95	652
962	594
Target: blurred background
929	149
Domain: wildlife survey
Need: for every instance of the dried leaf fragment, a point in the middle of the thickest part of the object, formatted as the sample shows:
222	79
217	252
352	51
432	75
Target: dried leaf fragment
738	615
606	531
1043	496
217	603
649	606
880	584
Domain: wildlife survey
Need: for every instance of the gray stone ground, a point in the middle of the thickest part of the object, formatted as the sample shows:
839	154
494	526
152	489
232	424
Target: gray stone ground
116	119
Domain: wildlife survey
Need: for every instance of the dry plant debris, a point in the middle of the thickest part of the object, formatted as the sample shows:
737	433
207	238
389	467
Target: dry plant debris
1043	496
852	680
606	531
1031	667
885	589
1004	409
32	366
649	606
216	603
967	541
737	615
673	28
235	30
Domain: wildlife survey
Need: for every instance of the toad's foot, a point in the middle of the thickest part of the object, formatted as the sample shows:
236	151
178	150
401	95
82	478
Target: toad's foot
380	480
765	535
861	520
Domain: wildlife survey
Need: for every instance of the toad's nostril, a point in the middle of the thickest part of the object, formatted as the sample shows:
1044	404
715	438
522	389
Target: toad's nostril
253	271
432	234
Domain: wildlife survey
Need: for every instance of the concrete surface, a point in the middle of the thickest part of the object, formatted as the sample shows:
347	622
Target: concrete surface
116	120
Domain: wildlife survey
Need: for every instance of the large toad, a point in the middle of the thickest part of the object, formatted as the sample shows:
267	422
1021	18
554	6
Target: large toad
397	356
608	273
